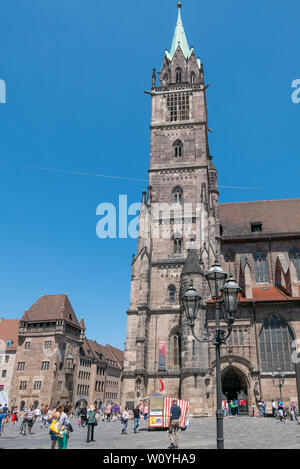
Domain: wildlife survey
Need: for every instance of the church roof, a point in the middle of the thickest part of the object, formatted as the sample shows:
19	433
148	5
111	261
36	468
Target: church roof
179	39
278	217
192	264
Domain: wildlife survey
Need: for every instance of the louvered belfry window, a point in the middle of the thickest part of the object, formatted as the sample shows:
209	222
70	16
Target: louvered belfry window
276	346
178	107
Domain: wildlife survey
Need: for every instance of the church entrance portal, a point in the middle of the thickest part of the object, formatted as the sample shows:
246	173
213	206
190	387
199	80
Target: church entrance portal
234	387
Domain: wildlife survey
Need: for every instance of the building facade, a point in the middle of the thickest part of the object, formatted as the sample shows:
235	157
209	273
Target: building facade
8	348
47	355
46	359
180	236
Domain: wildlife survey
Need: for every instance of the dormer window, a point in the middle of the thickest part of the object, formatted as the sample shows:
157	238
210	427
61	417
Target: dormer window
256	227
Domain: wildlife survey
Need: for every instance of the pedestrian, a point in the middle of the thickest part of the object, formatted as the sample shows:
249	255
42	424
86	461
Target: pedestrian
232	408
236	410
29	416
91	422
14	417
124	420
293	412
54	417
64	427
2	420
280	411
264	409
273	408
136	418
83	415
175	413
108	412
253	410
44	416
146	412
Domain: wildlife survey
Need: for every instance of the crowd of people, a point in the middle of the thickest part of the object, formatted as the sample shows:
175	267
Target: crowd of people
58	419
278	410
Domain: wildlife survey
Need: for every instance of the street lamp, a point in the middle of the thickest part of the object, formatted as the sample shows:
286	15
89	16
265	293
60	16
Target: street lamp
280	375
226	293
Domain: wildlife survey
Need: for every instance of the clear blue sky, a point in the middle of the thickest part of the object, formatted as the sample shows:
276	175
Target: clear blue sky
76	71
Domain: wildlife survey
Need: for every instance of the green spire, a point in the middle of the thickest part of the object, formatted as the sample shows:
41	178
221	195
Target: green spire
179	38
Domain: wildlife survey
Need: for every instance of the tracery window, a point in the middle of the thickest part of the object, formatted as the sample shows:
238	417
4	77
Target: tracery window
178	106
177	196
295	256
178	74
177	245
172	291
276	345
178	149
260	266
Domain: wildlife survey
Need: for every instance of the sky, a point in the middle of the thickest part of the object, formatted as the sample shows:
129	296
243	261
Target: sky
75	74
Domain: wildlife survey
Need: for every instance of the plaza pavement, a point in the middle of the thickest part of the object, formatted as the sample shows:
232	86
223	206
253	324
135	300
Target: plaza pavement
239	432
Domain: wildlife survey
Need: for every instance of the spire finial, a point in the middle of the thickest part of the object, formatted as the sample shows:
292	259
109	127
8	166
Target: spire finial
179	4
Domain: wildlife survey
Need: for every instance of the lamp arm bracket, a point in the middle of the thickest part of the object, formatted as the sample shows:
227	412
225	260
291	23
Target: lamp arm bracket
205	338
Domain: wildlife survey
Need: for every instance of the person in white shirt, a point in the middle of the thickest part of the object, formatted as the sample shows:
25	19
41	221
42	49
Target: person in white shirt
125	421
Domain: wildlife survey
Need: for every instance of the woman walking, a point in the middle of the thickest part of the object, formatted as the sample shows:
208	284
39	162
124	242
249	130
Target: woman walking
55	415
14	415
125	421
91	422
63	427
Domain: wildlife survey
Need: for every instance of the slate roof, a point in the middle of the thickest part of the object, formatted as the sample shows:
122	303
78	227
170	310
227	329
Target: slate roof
192	264
51	308
279	217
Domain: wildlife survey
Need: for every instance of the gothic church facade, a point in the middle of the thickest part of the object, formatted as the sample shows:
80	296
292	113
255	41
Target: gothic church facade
178	246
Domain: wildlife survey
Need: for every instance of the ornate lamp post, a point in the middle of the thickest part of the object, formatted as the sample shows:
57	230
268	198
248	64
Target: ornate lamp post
280	375
225	294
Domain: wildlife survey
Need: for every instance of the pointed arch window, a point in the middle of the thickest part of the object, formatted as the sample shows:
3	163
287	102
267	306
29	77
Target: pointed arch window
177	245
178	75
177	195
295	256
276	345
193	77
260	266
172	291
178	149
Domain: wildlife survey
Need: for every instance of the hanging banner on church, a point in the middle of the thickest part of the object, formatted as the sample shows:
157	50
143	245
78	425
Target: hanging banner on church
162	351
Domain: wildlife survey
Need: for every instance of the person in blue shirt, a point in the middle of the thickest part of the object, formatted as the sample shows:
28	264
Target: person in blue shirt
175	413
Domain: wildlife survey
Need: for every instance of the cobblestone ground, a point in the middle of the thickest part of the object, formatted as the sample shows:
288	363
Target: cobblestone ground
240	432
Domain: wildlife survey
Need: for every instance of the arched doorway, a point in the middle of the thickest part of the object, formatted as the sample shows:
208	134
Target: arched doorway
235	387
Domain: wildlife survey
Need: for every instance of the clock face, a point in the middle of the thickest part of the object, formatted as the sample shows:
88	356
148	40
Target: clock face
8	343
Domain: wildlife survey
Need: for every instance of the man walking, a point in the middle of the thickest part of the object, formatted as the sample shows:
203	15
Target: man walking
175	414
136	418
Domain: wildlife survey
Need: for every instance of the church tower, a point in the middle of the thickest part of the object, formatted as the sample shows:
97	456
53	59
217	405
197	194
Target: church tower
179	238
